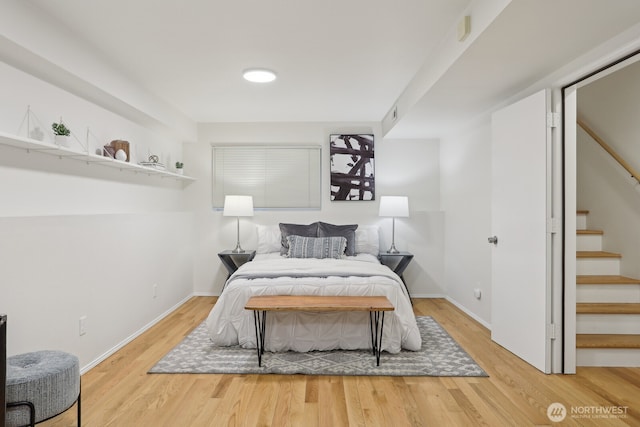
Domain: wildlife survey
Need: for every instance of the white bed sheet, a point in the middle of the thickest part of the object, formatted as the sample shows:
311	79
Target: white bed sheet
271	274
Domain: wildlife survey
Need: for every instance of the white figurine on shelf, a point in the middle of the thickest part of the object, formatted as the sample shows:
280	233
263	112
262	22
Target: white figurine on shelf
121	155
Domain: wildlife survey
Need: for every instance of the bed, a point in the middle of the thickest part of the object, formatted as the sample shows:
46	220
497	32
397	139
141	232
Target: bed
287	263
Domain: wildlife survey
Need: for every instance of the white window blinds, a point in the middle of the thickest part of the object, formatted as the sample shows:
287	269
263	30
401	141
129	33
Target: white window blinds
276	177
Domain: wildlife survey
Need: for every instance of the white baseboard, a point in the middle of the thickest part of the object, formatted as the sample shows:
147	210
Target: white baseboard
205	294
457	304
428	296
469	312
133	336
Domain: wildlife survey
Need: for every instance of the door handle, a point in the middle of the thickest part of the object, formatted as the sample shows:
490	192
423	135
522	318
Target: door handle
493	239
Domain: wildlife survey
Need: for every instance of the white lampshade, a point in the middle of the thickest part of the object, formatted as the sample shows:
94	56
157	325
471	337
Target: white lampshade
238	206
394	206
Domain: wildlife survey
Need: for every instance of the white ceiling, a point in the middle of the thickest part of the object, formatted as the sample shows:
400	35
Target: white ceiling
529	40
337	60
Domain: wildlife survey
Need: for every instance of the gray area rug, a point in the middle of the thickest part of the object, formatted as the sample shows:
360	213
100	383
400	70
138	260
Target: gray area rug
439	356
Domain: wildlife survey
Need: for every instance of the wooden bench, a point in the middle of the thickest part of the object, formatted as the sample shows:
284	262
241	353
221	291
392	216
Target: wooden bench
375	305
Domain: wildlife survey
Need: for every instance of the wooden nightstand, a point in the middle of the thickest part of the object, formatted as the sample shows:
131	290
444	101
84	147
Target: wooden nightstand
397	262
232	260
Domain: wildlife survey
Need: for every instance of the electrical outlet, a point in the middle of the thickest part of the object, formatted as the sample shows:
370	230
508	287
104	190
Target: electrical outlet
155	290
477	293
82	324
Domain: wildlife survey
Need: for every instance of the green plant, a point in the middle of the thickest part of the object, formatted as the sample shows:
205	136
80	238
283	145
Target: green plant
60	129
179	165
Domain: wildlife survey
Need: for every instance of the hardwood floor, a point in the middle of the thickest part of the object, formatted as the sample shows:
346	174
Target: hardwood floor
119	392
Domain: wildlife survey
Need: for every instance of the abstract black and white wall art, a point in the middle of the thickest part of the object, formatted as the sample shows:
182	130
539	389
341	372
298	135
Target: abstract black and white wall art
352	171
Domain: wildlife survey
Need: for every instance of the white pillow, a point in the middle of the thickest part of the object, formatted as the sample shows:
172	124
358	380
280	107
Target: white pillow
368	240
268	239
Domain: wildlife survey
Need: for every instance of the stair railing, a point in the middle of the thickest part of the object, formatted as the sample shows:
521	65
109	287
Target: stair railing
635	175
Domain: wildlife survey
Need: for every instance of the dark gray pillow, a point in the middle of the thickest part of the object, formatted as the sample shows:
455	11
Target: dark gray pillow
346	231
316	247
310	230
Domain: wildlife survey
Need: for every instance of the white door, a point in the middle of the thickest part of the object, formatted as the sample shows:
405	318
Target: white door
521	287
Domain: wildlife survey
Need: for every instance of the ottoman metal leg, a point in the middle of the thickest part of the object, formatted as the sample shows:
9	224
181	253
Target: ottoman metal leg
32	410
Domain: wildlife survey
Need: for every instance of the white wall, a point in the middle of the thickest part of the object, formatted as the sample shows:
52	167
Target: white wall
465	163
466	180
79	239
32	41
49	174
56	269
402	167
610	105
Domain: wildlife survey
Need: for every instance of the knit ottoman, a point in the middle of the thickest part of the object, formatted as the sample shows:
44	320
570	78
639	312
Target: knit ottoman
46	382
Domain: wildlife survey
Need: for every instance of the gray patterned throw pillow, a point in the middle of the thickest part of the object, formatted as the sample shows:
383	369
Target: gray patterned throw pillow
316	247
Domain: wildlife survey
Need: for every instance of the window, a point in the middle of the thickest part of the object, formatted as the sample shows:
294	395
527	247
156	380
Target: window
276	176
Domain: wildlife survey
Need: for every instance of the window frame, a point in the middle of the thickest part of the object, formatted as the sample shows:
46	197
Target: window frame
270	183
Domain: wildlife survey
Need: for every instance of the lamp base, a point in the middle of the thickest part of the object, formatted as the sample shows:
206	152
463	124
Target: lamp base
392	249
238	250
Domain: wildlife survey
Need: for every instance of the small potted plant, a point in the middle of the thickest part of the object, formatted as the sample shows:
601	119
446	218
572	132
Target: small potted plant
179	168
61	134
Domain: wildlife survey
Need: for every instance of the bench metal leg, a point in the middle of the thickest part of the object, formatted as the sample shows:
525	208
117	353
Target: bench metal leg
376	323
376	327
260	320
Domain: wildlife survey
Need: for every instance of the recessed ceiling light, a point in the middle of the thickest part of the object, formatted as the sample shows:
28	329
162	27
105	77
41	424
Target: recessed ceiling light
259	75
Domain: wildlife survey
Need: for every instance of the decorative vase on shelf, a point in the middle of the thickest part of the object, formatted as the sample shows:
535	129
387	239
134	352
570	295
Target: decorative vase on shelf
36	134
121	155
180	171
179	166
62	140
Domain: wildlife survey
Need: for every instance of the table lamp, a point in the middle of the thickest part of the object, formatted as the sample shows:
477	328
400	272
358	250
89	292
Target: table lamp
395	207
238	206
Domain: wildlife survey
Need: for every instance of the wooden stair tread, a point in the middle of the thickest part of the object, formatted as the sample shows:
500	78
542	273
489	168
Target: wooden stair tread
605	280
607	308
607	341
582	211
590	232
597	254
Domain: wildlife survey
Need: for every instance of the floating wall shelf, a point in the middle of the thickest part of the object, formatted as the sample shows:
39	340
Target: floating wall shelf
89	158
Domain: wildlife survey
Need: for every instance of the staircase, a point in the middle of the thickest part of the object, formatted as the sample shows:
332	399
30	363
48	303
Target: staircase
608	304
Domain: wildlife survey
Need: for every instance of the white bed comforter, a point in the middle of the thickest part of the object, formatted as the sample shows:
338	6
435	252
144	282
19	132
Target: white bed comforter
230	324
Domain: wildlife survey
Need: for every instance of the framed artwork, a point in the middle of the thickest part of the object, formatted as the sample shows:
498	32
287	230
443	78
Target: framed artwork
352	171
